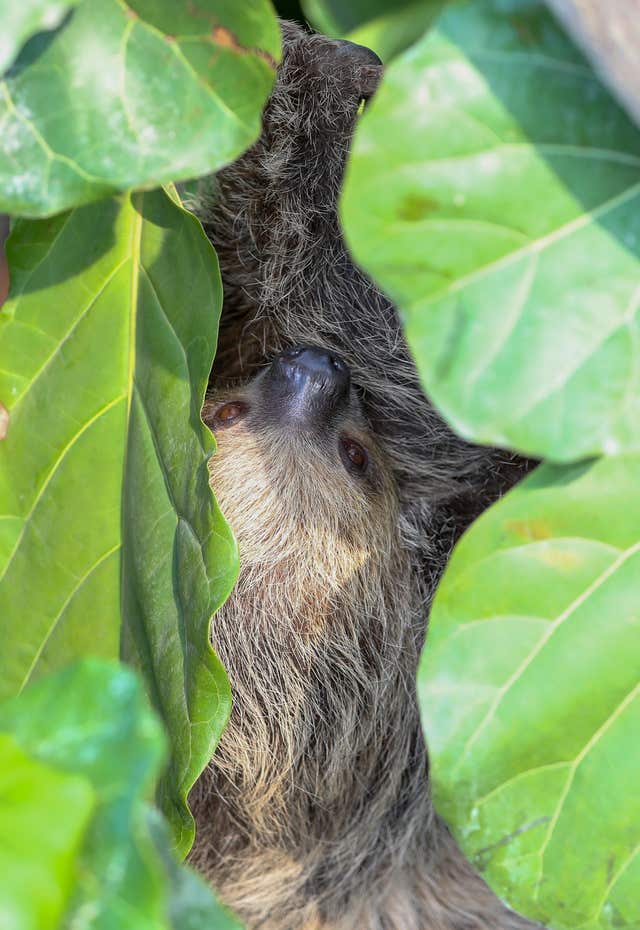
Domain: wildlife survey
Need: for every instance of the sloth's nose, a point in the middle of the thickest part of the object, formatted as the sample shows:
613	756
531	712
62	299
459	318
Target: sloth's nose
308	384
303	362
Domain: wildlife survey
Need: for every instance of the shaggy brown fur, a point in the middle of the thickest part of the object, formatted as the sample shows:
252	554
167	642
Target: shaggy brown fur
315	812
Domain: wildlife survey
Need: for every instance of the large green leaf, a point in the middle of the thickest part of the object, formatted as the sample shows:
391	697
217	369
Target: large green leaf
78	767
43	817
24	19
390	33
530	695
386	27
132	95
342	17
494	193
106	516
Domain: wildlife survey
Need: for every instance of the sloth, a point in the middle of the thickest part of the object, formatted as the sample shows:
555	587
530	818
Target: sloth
346	492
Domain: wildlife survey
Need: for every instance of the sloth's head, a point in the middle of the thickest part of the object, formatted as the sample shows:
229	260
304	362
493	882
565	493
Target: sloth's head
304	483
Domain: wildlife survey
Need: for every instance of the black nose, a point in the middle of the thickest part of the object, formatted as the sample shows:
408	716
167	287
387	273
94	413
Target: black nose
308	362
308	384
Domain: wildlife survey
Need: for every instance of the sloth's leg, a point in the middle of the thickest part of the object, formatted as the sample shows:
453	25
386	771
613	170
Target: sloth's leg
272	215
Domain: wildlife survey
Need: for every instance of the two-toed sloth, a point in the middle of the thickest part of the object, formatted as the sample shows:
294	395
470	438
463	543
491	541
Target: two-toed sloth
346	492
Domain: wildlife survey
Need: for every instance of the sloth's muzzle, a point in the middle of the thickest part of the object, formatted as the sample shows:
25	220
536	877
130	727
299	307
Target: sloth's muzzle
307	385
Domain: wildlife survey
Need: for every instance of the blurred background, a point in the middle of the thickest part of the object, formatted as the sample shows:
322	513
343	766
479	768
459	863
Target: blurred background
4	274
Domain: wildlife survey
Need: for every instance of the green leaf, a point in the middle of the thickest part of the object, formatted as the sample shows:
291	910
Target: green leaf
530	695
87	736
494	193
322	17
387	28
391	32
105	508
92	720
345	16
132	95
24	19
191	904
43	818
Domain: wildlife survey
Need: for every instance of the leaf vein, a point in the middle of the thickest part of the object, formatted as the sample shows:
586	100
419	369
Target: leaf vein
83	314
537	245
573	606
608	723
54	623
50	475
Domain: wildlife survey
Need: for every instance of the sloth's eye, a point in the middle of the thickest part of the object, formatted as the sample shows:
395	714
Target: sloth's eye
229	414
354	456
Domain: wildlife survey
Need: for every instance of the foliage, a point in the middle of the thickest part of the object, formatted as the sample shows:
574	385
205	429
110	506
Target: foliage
344	17
386	27
531	699
22	20
500	203
79	844
110	541
105	353
392	32
43	820
106	347
493	193
145	92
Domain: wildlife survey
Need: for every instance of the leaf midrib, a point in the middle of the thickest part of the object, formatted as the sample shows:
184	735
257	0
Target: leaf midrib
536	245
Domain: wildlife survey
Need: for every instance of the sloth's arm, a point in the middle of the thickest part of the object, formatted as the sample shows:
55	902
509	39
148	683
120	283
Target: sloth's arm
272	214
289	280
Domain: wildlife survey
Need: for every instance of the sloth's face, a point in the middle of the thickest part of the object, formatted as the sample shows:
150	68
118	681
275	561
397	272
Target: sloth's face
298	473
